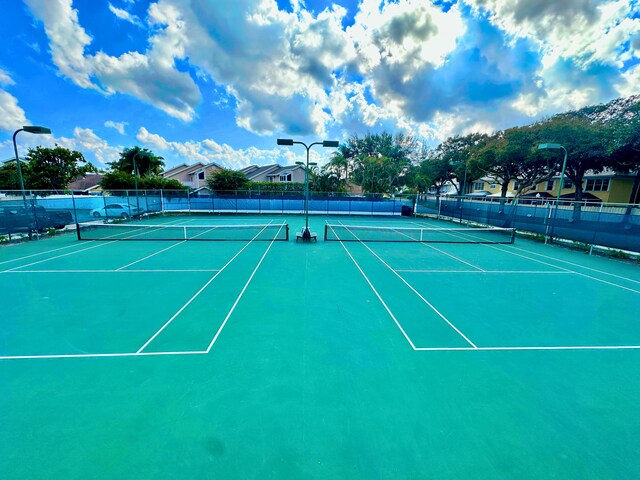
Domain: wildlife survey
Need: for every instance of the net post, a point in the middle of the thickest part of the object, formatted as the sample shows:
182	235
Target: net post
184	230
326	227
287	232
513	235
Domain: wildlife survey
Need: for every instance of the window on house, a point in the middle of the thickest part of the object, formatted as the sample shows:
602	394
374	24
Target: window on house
478	185
516	185
534	187
550	184
492	185
201	176
597	185
285	177
567	183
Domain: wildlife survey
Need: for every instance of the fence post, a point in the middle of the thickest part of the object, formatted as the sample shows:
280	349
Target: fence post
189	201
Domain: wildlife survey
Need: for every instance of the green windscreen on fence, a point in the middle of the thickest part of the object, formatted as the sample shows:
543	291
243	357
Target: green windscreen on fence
362	233
129	231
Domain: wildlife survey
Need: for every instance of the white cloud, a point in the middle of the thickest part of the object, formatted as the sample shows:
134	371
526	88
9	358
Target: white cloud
208	150
118	126
124	15
84	140
5	78
586	31
12	116
151	77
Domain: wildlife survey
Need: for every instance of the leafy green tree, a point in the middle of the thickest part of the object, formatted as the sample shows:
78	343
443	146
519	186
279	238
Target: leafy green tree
378	162
438	170
116	180
147	163
457	152
227	180
9	176
587	145
54	168
326	180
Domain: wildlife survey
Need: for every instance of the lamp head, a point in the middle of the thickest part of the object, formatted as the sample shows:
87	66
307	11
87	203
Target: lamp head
37	130
549	146
285	141
299	163
330	143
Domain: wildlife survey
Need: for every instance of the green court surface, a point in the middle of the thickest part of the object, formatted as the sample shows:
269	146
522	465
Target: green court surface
247	359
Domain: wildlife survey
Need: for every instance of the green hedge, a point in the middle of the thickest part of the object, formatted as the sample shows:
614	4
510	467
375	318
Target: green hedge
274	186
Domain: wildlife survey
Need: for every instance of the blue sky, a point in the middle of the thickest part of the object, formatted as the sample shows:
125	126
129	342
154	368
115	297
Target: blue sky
220	80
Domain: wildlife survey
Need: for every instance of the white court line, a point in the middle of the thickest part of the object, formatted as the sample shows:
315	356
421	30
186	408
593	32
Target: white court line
198	293
502	249
63	255
98	355
517	272
149	256
443	252
242	292
417	293
40	253
113	271
538	348
376	292
577	265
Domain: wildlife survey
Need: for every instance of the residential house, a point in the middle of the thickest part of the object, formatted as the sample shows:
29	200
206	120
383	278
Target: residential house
88	184
274	173
607	186
193	176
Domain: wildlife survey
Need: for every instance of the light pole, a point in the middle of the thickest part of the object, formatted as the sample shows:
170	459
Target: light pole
306	234
135	177
556	146
28	129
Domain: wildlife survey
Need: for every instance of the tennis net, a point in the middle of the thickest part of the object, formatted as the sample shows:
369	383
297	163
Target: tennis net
128	231
362	233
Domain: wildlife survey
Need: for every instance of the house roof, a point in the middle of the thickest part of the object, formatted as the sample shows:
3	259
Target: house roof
286	168
86	183
253	171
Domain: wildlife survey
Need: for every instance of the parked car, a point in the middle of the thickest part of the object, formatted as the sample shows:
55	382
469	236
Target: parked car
20	219
117	210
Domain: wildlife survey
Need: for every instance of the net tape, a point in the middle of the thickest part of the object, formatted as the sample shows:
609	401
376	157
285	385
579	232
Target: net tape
363	233
267	232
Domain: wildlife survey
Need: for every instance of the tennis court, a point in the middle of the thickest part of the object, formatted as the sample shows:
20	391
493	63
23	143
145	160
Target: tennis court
449	352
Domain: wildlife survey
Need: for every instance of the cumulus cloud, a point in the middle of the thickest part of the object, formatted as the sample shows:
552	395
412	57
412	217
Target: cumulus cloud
151	77
585	31
11	115
118	126
124	15
83	140
402	65
209	150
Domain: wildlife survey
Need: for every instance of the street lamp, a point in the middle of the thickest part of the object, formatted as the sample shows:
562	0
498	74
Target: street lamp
29	129
135	176
306	234
556	146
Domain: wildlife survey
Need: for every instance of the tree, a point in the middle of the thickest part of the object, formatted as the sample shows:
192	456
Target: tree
457	151
379	162
227	180
326	180
9	176
116	180
147	163
586	142
54	168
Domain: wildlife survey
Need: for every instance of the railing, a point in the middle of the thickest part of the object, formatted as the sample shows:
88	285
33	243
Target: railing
609	225
43	210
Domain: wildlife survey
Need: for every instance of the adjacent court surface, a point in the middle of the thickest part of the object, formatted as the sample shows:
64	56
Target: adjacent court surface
267	358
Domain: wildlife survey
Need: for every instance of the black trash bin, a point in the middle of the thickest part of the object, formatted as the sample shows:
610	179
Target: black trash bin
407	211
